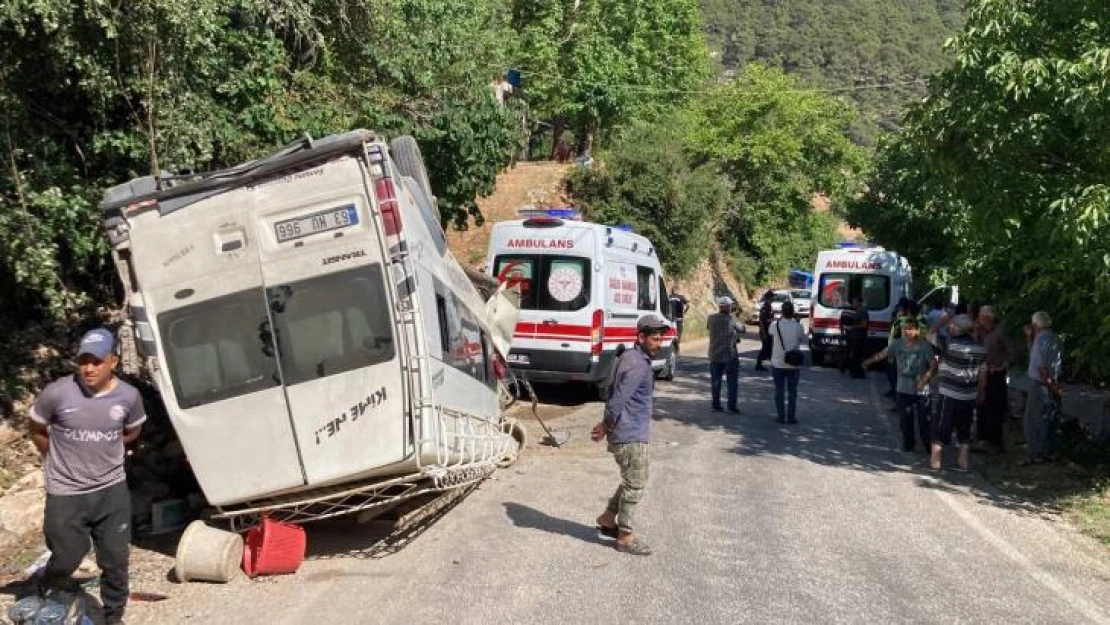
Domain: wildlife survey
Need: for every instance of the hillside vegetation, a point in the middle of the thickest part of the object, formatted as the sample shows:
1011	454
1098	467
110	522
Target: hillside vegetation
837	44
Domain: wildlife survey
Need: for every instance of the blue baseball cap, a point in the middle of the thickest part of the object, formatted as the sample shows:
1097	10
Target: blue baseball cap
99	343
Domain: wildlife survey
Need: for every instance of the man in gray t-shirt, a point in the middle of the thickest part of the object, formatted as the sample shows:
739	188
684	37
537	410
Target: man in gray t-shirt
80	423
724	334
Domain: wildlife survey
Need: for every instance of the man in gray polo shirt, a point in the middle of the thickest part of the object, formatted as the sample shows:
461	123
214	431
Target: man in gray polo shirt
1042	407
80	423
627	426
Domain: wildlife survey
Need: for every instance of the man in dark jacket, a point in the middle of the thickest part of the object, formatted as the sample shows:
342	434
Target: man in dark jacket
766	316
627	425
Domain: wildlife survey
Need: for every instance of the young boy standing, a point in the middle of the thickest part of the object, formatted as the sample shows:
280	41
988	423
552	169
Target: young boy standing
916	364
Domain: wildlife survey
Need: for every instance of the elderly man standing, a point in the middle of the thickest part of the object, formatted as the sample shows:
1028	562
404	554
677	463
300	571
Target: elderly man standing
1042	408
962	382
724	333
992	413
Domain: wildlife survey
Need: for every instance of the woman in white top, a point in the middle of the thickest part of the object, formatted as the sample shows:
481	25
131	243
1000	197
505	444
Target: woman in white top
786	334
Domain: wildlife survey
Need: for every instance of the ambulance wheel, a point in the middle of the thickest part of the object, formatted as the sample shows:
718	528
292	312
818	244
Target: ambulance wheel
406	155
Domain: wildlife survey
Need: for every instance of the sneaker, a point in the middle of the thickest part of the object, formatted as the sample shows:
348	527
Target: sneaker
734	410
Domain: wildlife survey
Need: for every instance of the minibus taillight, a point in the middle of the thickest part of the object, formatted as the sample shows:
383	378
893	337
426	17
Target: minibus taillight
387	204
597	332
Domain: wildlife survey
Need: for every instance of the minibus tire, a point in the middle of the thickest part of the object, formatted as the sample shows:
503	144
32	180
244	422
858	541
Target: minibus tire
406	155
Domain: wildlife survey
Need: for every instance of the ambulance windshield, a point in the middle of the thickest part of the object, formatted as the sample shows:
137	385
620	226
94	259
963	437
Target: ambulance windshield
558	283
836	290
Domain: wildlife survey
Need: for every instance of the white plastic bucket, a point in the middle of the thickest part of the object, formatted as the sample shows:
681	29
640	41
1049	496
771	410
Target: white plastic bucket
208	554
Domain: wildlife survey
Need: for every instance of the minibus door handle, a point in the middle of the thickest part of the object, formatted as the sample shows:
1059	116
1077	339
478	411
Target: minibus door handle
550	322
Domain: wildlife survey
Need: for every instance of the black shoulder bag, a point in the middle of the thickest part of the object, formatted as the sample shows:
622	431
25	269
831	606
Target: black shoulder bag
793	357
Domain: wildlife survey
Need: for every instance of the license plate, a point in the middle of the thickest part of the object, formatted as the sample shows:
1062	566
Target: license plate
315	223
518	359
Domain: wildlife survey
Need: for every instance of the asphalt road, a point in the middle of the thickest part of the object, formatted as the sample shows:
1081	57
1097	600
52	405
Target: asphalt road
823	522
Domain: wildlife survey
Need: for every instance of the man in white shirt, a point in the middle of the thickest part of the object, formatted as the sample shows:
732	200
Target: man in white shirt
786	335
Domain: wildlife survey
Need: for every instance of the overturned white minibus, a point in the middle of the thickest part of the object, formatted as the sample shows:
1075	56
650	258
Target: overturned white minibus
317	347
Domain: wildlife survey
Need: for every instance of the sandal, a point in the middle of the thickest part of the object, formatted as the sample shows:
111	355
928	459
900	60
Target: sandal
608	532
635	547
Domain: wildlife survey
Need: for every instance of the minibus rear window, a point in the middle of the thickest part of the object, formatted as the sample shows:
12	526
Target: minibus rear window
331	324
836	290
227	346
219	348
557	283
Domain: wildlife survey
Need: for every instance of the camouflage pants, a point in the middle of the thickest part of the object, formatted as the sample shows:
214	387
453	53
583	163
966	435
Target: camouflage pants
632	458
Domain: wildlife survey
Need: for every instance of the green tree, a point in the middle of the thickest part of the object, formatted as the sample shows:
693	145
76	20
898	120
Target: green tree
781	147
647	181
875	51
94	93
593	65
1008	157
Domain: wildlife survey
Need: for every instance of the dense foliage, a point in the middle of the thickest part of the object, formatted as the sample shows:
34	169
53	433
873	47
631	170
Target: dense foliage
592	66
648	182
781	147
776	149
1001	175
92	94
853	44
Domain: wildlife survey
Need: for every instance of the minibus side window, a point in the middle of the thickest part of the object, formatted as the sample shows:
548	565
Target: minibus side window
463	339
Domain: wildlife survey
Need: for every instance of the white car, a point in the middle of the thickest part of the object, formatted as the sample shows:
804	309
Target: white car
780	296
801	298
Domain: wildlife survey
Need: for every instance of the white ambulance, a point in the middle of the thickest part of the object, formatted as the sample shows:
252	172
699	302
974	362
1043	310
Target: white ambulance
879	277
583	287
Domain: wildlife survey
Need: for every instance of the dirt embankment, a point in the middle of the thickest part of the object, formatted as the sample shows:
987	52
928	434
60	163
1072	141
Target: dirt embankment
533	184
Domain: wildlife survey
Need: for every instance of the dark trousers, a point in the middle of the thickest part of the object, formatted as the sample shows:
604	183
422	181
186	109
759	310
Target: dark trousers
914	409
992	414
731	371
1042	419
765	346
678	326
105	516
786	393
857	342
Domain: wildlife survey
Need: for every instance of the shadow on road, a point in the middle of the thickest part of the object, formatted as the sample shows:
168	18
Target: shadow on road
838	426
528	517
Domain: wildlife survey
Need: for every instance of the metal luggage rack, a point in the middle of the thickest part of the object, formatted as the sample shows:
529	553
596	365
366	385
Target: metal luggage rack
333	501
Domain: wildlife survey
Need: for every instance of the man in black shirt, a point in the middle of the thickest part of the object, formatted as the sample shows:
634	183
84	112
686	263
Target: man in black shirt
857	337
679	305
766	316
